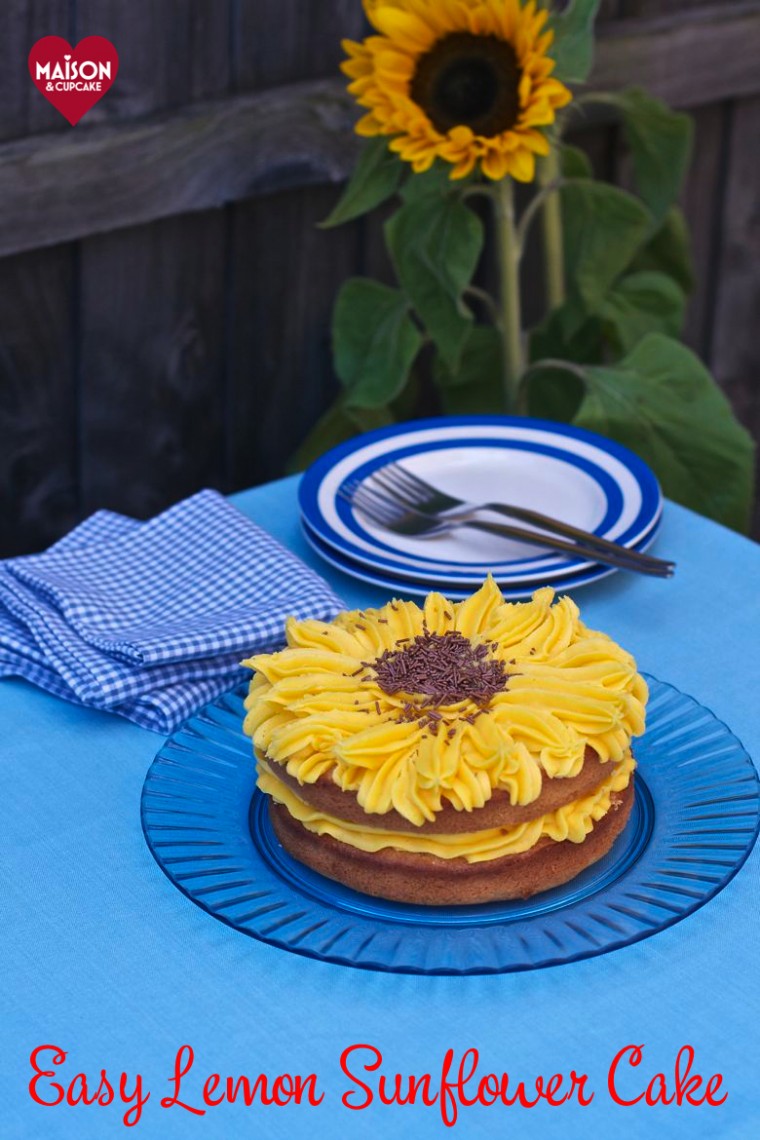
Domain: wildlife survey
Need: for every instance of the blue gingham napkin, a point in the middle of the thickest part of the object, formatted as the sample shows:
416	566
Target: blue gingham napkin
150	620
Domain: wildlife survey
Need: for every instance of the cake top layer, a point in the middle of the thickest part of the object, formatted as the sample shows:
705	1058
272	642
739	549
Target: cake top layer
412	707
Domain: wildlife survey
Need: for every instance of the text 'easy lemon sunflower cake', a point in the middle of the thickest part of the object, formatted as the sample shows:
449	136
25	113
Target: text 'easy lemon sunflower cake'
451	753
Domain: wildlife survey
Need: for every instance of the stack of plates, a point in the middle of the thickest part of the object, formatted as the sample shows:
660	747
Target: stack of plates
561	471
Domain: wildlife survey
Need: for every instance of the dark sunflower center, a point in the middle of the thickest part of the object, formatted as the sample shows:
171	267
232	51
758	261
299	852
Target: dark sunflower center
471	81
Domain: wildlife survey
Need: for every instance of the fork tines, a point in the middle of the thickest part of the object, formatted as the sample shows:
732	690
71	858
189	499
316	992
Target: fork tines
394	497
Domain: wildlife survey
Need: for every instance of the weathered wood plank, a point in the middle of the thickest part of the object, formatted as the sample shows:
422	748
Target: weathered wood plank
23	110
735	354
278	43
629	8
38	449
170	54
285	272
701	204
152	298
688	61
38	401
17	90
152	390
204	156
201	157
285	282
610	10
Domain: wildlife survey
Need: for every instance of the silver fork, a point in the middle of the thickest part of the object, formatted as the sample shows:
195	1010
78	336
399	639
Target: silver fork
391	514
418	495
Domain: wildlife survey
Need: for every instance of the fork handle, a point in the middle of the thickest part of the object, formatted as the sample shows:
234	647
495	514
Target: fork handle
555	526
623	560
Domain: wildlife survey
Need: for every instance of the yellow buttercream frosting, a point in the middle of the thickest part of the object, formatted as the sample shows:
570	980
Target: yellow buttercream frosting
316	707
572	822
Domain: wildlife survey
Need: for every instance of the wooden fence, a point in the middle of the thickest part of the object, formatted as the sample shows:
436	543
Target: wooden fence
165	294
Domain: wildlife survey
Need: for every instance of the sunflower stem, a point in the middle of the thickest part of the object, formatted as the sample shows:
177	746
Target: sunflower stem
554	251
477	190
485	298
534	207
511	320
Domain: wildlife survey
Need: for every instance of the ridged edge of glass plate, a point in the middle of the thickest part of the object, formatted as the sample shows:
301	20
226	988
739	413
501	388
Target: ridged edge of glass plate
695	822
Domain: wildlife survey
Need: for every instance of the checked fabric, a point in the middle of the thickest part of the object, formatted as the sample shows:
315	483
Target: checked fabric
150	620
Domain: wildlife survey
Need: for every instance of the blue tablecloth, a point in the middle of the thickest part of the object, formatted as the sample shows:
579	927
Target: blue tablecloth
105	959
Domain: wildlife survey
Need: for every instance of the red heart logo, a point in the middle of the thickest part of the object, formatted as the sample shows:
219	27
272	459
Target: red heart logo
73	79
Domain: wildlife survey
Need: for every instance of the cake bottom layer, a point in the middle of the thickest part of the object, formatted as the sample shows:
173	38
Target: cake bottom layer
427	880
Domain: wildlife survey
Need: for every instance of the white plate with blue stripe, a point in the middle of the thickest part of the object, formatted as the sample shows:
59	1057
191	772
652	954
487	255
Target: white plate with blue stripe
556	469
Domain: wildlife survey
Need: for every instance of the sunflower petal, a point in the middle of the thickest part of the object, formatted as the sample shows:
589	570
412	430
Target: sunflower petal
535	142
463	168
495	165
368	127
522	166
404	28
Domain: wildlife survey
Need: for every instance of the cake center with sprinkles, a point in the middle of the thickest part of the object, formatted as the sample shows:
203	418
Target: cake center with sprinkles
445	667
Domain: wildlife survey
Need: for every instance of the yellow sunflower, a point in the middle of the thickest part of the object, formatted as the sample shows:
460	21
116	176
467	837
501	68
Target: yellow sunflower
468	81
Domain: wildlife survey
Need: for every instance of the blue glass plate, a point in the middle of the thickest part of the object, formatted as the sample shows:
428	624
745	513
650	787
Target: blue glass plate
693	824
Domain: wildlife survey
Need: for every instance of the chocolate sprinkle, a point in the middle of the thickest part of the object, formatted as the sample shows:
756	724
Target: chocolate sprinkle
445	668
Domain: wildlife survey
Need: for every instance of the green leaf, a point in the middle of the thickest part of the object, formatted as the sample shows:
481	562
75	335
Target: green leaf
338	424
574	162
573	46
604	227
553	390
435	245
661	144
367	419
562	337
435	182
669	251
375	178
636	305
662	403
476	387
375	342
406	406
642	303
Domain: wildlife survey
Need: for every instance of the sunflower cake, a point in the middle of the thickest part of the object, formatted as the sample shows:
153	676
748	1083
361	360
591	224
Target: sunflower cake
450	753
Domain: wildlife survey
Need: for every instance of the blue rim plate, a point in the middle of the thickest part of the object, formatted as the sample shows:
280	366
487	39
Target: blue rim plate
693	824
564	471
457	591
